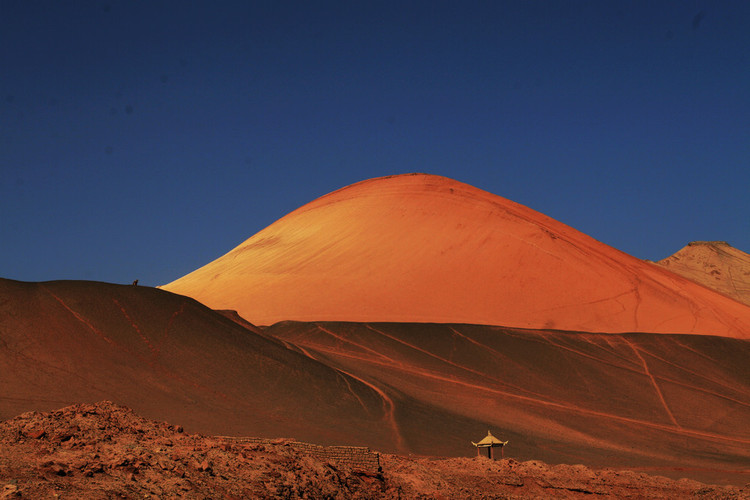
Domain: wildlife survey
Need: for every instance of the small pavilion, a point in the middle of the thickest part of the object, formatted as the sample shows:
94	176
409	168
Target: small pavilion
485	446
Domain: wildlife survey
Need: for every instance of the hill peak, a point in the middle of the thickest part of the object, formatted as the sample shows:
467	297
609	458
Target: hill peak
414	182
709	243
429	249
714	264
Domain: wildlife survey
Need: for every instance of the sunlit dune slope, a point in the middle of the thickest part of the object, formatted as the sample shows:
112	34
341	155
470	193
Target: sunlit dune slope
424	248
671	401
715	264
172	359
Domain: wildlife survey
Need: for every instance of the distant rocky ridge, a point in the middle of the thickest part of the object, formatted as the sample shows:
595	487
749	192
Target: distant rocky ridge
104	450
714	264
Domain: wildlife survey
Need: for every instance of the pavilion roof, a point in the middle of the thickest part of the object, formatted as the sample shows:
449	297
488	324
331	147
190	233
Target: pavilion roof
490	440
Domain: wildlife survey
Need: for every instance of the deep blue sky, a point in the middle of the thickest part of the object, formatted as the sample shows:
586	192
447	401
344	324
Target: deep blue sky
143	139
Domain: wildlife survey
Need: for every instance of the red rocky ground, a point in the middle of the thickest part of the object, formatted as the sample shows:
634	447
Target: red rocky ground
106	451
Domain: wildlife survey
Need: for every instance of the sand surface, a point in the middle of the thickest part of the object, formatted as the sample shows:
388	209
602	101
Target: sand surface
424	248
675	404
651	400
169	357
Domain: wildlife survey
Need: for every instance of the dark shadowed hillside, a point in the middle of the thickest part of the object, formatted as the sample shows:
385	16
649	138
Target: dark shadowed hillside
170	358
678	403
625	399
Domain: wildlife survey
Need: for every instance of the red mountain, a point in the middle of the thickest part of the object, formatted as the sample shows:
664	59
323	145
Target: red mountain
423	248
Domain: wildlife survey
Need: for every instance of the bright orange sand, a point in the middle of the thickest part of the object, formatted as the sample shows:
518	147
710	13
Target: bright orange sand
423	248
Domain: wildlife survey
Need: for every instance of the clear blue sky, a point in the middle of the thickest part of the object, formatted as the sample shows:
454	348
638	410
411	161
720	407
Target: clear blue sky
143	139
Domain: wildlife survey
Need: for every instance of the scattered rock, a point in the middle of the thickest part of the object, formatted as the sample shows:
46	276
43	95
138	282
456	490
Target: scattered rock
107	448
10	491
35	433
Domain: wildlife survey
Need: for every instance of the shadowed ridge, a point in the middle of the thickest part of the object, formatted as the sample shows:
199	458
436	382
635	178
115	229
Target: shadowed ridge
171	358
234	316
714	264
425	248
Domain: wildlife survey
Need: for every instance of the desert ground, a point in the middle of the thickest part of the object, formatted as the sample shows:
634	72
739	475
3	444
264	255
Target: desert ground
106	451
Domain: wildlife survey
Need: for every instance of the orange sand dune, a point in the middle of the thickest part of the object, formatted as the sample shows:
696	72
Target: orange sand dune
423	248
715	264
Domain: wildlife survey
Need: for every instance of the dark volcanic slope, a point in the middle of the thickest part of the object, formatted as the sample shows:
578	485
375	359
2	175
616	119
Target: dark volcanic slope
606	399
170	358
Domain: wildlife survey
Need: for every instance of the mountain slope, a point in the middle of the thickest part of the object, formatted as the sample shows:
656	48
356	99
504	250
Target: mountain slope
650	400
170	358
715	264
423	248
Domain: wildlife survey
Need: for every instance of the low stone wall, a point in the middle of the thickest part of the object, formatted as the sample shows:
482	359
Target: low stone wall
355	457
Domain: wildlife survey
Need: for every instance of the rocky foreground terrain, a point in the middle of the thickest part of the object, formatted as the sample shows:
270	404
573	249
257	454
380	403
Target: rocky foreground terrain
106	451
